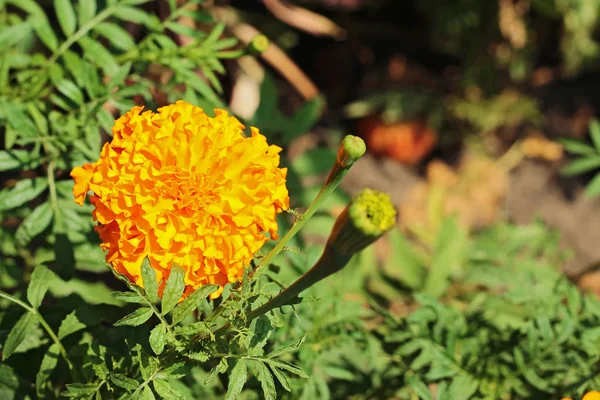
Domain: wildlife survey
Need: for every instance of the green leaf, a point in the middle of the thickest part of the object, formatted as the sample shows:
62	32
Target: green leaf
116	35
48	364
128	297
44	31
595	133
120	76
220	368
79	319
97	54
64	264
158	338
538	382
70	90
124	382
288	348
79	389
149	280
166	390
18	333
136	15
35	223
66	16
24	191
86	11
266	381
193	301
581	165
593	188
419	388
237	380
404	265
136	318
463	387
286	366
317	161
146	394
577	147
40	281
17	159
283	380
173	289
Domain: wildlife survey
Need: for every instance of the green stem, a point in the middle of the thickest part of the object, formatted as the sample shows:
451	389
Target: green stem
330	262
154	309
338	172
145	383
47	328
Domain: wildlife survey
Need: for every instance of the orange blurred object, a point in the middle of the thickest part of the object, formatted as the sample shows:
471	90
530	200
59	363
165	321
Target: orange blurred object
406	142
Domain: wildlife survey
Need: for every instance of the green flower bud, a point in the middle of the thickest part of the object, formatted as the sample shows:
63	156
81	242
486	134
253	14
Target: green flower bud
258	45
370	215
351	149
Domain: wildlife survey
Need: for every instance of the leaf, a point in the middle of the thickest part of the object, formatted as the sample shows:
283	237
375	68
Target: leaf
193	301
98	55
581	165
173	289
64	263
70	90
166	390
149	280
21	159
136	318
48	364
118	78
237	380
86	11
18	333
595	133
283	380
158	338
136	15
304	118
593	188
288	348
419	388
24	191
266	381
77	320
127	297
79	389
317	161
123	381
463	387
286	366
404	264
219	369
44	31
146	394
34	224
577	147
38	286
116	35
66	16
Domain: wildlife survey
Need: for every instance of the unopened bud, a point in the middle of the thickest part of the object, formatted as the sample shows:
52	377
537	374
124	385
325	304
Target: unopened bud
258	45
351	149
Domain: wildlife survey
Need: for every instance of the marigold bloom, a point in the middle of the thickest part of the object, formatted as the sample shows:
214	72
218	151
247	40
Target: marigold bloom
181	187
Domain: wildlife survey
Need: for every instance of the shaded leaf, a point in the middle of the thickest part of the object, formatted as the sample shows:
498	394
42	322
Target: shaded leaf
116	35
48	364
166	390
193	301
18	333
593	188
289	348
128	297
38	286
24	191
21	159
266	381
173	289
158	338
123	381
66	16
136	318
237	380
149	280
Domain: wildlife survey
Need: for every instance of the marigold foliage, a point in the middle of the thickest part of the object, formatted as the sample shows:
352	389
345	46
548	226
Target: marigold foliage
181	187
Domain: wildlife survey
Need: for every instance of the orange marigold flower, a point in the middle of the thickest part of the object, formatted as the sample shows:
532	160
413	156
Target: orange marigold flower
181	187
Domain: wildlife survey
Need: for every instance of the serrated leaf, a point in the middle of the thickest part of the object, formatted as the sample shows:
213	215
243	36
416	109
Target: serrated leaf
116	35
221	368
17	159
66	16
146	394
288	348
266	381
48	364
166	390
79	389
35	223
38	286
193	301
18	333
237	380
197	328
136	318
24	191
77	320
127	297
158	338
581	165
283	380
86	11
173	289
419	388
577	147
149	280
286	366
70	90
123	381
593	188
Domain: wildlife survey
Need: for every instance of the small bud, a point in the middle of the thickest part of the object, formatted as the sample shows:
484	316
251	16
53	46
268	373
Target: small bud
258	45
370	215
351	149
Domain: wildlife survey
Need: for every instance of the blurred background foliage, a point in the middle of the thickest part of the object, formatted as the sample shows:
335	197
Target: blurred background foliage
478	116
